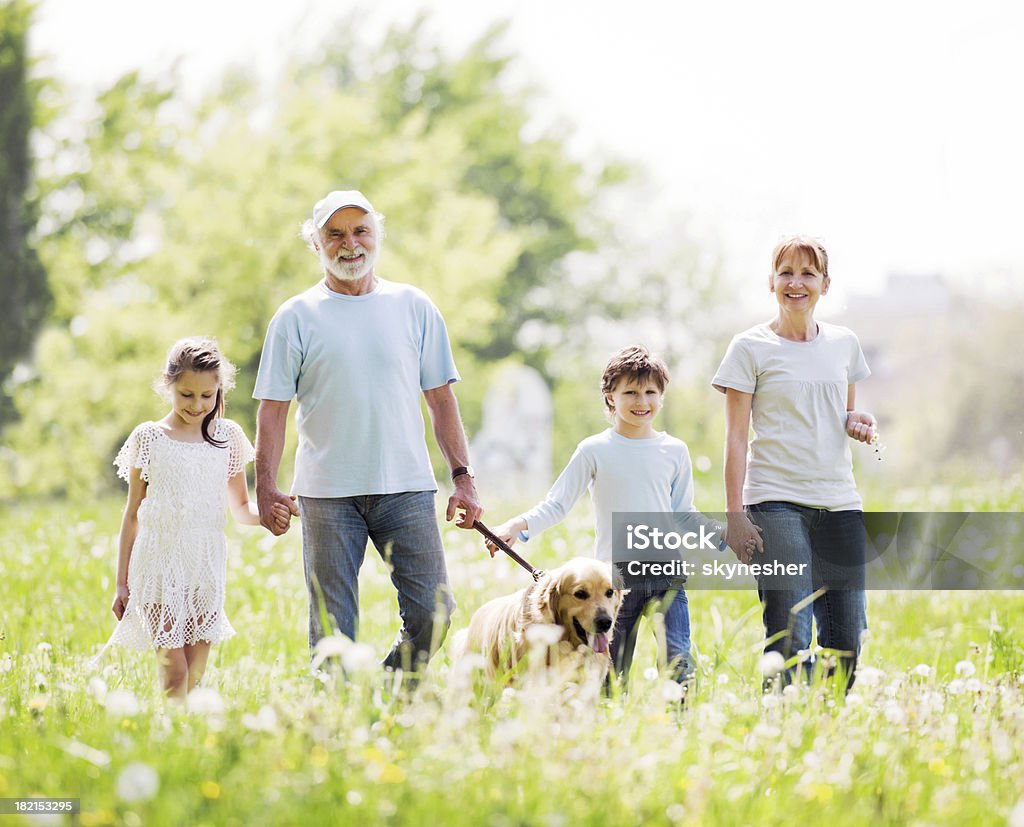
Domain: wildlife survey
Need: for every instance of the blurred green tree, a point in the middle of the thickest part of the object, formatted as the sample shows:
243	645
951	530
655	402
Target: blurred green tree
26	292
163	219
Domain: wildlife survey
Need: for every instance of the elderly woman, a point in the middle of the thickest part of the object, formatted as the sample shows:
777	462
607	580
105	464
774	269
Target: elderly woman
790	493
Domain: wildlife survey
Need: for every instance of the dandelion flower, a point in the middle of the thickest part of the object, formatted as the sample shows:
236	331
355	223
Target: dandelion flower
263	721
122	703
332	646
771	664
137	782
205	701
922	670
894	713
964	669
543	634
359	657
1016	817
671	692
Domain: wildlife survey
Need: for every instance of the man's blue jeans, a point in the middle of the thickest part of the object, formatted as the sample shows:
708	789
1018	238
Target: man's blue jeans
670	603
833	545
403	528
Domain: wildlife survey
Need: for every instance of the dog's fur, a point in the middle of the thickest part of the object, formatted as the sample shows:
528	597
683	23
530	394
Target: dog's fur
578	597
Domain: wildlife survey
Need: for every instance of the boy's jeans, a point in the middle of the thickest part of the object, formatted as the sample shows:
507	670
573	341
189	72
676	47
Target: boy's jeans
668	605
833	543
403	528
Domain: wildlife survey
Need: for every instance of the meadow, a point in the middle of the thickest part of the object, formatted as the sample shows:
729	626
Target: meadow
931	734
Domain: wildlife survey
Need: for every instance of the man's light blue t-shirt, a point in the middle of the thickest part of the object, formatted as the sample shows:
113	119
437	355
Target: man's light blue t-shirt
357	366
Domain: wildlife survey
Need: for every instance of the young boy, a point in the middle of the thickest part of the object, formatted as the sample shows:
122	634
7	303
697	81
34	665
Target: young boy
628	468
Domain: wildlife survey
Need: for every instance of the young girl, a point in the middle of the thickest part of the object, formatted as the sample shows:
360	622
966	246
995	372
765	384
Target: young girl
182	473
791	493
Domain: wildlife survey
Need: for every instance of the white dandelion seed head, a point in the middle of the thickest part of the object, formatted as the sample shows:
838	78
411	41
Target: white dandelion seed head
469	663
121	703
543	634
894	713
964	669
332	646
922	670
651	674
1016	817
98	688
507	732
671	692
870	676
955	687
205	701
263	721
973	685
722	679
137	782
359	657
771	663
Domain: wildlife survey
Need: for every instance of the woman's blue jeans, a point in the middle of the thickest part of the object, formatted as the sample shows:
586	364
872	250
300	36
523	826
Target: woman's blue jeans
833	545
403	528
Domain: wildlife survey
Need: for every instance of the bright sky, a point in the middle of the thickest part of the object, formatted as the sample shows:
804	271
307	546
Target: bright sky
891	129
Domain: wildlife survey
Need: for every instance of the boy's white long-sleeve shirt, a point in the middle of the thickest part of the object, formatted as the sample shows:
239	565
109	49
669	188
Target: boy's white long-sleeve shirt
623	475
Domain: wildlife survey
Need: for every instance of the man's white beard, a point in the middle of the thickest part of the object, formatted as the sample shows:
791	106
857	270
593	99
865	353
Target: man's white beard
349	271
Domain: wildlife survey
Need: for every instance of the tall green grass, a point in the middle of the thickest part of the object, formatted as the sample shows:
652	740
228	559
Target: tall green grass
931	734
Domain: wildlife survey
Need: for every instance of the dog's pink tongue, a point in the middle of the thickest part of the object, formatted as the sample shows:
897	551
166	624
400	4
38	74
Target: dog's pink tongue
601	644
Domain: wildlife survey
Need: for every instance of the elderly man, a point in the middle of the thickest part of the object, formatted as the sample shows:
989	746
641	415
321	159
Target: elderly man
356	351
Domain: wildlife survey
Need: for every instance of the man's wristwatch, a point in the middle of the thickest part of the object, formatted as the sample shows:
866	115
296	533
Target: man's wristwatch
463	470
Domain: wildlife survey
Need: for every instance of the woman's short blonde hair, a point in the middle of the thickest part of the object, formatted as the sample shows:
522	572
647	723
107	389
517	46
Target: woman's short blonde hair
801	244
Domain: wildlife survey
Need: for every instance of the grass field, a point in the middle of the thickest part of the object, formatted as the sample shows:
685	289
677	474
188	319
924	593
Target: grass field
932	733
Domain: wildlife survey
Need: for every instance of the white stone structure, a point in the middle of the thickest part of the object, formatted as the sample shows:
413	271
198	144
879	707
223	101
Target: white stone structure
512	451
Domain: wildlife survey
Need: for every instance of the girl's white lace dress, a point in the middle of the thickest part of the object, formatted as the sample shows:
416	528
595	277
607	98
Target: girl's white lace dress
178	568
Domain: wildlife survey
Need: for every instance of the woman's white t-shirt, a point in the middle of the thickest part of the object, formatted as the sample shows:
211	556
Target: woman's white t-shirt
800	452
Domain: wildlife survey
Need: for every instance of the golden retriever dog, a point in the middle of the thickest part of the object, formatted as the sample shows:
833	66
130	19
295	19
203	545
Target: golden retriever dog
577	602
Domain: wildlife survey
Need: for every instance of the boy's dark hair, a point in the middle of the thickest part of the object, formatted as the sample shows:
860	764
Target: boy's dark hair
634	364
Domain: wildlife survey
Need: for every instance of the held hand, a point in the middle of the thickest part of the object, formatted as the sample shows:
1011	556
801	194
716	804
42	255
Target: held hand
507	531
743	537
861	426
465	502
266	500
282	516
120	600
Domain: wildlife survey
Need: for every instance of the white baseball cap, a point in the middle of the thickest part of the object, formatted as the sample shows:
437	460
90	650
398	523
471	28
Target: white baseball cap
338	200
